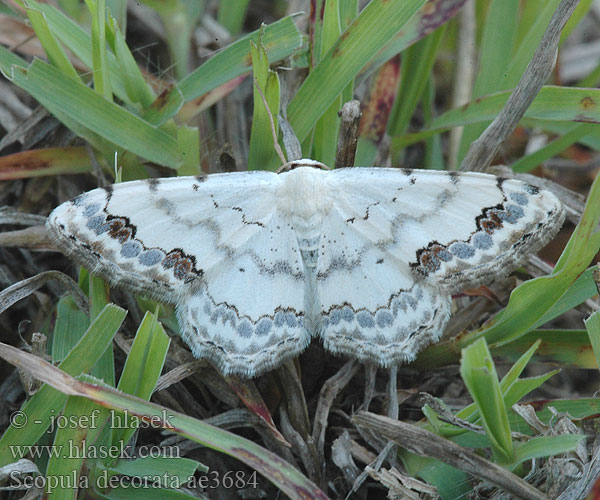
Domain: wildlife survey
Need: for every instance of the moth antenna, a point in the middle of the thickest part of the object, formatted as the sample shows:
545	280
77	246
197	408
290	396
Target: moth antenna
272	122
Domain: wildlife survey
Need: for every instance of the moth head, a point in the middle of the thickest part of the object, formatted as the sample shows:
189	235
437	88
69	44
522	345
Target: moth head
294	164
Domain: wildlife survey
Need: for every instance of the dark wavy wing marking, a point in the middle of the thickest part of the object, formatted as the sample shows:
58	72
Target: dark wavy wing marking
398	243
216	247
160	236
451	230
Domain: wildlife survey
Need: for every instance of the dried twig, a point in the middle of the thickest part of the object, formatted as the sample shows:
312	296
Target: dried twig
348	138
464	72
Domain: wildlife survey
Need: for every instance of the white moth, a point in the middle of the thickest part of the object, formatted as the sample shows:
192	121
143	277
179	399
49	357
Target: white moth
259	263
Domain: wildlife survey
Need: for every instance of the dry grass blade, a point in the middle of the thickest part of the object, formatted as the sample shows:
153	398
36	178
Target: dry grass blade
41	370
425	443
178	374
10	215
590	476
26	287
20	469
22	466
331	388
32	238
301	446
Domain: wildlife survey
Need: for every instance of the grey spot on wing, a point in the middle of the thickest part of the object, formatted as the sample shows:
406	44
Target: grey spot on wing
365	319
131	249
392	333
151	257
462	250
482	241
91	209
97	224
236	343
511	214
245	329
520	198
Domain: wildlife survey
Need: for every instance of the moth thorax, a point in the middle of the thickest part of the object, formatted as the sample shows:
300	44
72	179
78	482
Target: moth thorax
304	194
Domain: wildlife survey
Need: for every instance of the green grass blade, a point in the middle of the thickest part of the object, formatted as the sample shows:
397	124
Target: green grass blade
522	387
99	298
512	387
118	10
188	140
546	446
429	17
517	368
136	87
557	146
280	39
8	60
63	96
327	127
451	483
563	347
354	48
416	70
71	324
143	367
179	20
584	288
479	374
528	44
100	69
55	53
509	73
80	423
434	151
48	402
497	43
181	468
44	162
123	492
261	154
558	104
78	41
231	14
592	325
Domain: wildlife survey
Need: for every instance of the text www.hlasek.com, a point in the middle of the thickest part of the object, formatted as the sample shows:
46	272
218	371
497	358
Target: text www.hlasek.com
81	450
